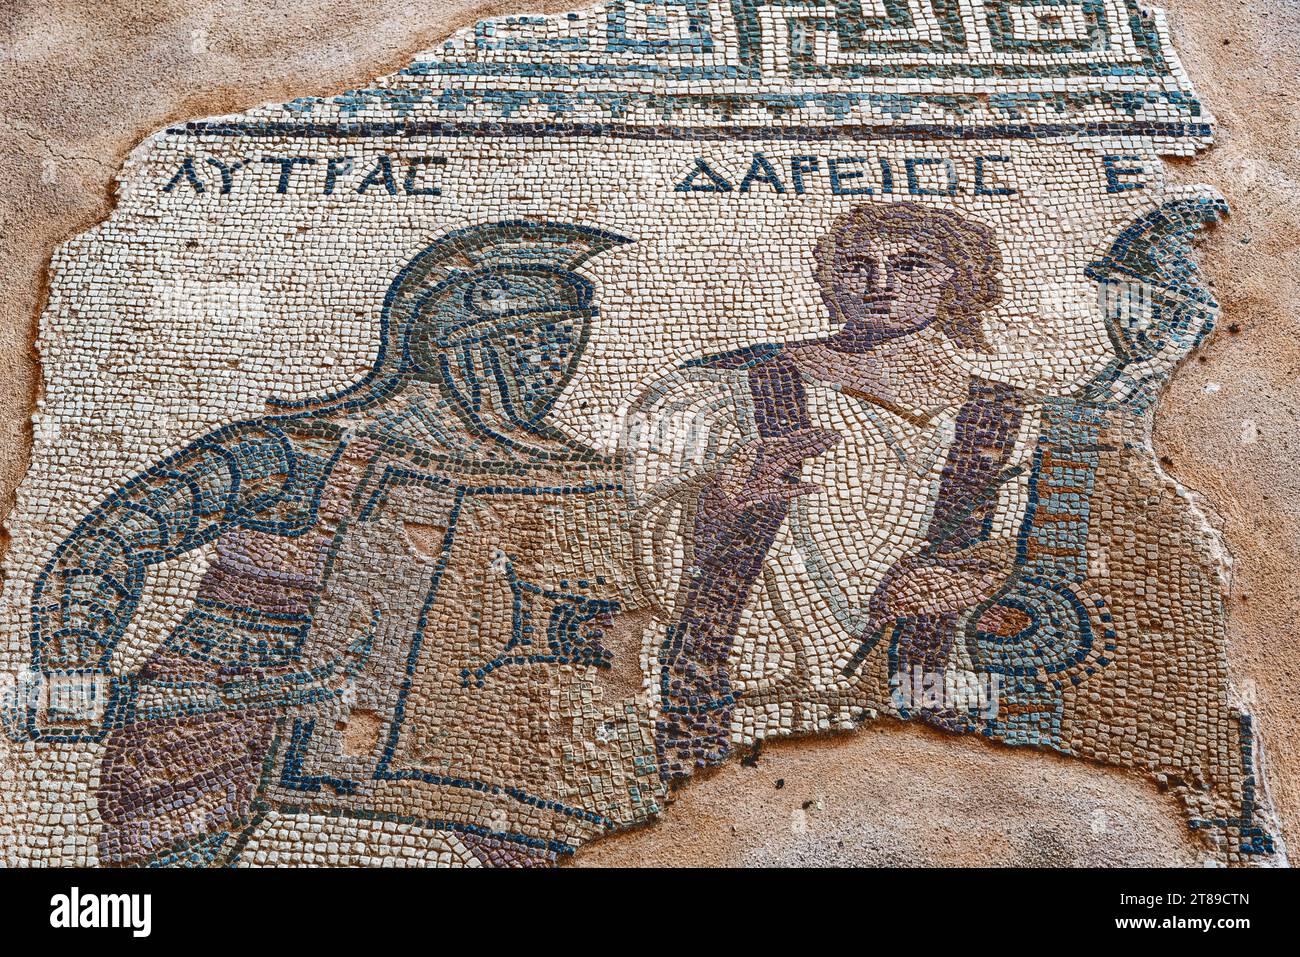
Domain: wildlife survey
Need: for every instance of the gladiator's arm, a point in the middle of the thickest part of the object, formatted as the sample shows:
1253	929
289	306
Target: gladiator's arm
87	593
978	468
964	560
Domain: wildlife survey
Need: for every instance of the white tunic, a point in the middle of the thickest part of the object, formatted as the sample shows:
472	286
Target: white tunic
806	617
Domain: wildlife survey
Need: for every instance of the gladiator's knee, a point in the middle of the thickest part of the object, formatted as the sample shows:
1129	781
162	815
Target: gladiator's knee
174	782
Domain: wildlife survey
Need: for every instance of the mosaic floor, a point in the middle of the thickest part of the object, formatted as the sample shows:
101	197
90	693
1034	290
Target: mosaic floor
443	472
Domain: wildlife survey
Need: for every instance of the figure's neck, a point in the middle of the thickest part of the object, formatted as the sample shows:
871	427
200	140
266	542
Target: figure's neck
422	414
421	411
913	372
417	394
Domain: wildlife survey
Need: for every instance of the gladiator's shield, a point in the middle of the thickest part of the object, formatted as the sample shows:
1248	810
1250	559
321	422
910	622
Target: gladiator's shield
479	708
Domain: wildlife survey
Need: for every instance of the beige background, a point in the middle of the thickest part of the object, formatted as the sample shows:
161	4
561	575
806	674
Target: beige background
84	82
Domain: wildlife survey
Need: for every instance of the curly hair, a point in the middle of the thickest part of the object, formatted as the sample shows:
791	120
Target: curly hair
965	246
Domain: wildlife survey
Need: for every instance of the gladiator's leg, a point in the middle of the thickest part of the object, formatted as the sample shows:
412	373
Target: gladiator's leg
925	642
494	851
697	698
694	727
172	787
920	661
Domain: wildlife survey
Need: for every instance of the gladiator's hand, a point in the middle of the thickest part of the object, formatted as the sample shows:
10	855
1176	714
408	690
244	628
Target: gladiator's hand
921	585
766	470
67	705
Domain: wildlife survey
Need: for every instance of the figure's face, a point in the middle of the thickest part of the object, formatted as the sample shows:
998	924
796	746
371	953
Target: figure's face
536	362
887	287
510	337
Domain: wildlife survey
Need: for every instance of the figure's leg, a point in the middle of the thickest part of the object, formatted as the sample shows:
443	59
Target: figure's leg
919	658
696	695
500	852
694	726
924	642
172	788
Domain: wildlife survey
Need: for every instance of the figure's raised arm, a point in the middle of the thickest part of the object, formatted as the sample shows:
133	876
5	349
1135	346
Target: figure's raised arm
88	591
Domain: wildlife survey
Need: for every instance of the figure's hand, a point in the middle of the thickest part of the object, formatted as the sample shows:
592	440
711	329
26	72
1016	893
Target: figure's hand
935	585
765	470
304	682
67	705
